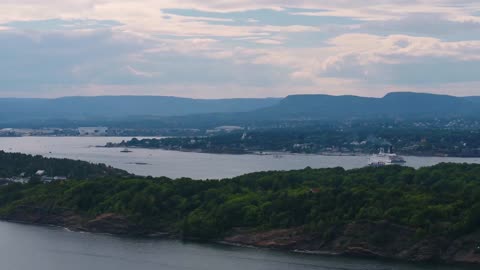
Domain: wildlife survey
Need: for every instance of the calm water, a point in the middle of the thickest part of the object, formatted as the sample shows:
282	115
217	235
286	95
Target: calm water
25	247
182	164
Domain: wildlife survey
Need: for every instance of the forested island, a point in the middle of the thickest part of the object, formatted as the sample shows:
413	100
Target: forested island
325	140
429	214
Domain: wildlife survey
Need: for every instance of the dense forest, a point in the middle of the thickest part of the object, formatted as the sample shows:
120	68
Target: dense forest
407	141
440	200
14	164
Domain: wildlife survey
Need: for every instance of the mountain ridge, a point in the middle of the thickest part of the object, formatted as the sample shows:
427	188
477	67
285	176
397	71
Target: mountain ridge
187	112
394	104
123	106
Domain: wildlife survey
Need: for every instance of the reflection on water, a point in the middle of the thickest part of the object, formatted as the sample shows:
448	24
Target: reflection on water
184	164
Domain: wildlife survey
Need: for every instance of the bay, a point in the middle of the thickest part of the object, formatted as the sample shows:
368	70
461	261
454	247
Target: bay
174	164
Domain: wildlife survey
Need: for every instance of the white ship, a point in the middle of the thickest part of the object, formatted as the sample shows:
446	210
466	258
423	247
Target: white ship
385	159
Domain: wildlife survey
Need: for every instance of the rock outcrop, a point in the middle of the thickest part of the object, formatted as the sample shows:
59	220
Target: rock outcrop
366	239
105	223
110	223
38	215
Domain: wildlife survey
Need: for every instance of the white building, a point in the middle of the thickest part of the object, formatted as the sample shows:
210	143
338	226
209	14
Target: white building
21	180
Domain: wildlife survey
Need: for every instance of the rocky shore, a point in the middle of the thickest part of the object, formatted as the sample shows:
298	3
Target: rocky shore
362	239
106	223
367	239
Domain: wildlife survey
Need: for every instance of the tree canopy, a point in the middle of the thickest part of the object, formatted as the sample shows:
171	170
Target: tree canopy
443	199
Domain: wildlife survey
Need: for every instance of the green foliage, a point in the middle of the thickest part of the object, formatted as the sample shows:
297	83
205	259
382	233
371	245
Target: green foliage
443	199
14	164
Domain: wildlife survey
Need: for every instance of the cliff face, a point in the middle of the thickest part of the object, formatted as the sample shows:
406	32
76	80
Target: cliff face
367	239
364	239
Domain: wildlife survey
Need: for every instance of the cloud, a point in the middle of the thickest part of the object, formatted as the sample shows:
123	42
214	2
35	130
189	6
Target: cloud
139	73
389	48
425	24
39	62
30	60
394	60
216	47
268	41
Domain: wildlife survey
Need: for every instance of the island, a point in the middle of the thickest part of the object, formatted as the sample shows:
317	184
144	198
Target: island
423	215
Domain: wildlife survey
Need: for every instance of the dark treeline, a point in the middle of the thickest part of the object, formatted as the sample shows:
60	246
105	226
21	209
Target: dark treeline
14	164
440	200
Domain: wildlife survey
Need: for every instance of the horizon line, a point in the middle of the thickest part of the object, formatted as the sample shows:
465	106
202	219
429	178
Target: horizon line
239	98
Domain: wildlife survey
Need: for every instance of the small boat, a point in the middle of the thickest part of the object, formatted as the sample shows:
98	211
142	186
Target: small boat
126	150
385	159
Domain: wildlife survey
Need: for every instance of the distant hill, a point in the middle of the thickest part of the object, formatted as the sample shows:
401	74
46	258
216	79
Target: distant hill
401	104
158	111
118	107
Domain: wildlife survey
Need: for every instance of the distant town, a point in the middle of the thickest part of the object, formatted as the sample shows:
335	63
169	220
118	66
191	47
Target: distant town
95	131
335	140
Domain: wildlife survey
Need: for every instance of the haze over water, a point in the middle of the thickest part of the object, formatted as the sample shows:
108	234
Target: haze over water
174	164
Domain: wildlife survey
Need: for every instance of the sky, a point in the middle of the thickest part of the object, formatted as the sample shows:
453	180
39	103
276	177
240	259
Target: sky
238	48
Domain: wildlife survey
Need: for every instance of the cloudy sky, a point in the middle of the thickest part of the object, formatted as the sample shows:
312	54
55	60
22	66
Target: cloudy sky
238	48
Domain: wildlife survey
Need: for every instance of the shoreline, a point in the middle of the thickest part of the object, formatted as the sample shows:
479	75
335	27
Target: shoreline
239	245
292	240
280	153
257	153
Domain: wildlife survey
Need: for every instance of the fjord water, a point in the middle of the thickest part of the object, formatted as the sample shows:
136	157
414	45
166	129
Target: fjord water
26	247
173	164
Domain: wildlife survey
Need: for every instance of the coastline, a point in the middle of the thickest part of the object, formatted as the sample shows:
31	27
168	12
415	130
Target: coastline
285	153
248	152
350	240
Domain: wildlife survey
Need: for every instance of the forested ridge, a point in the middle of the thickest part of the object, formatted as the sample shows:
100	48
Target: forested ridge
440	200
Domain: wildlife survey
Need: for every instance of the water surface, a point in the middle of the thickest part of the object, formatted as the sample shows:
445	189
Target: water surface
25	247
174	164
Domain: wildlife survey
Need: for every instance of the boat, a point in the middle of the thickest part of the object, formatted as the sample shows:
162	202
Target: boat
385	159
126	150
